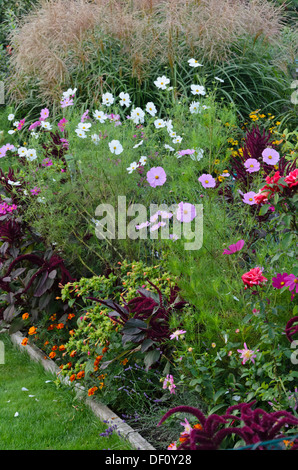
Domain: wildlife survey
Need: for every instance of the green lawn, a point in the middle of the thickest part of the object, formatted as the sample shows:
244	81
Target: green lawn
50	419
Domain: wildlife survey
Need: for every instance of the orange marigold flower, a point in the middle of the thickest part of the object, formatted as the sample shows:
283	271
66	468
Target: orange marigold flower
80	374
125	361
32	330
53	317
72	377
70	316
91	391
51	327
72	332
60	326
52	354
73	353
24	342
62	347
54	348
46	343
25	316
105	349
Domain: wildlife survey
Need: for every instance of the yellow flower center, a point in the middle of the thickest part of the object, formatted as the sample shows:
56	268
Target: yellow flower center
156	177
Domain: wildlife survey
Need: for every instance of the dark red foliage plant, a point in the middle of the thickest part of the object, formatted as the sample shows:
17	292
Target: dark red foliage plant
252	426
145	319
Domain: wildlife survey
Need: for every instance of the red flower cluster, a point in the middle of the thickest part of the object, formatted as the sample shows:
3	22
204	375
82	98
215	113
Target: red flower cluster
274	185
254	277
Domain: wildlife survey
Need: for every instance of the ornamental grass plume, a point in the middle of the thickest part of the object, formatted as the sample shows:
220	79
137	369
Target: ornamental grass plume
57	37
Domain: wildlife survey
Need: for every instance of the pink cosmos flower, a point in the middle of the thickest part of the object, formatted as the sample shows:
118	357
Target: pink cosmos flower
142	225
247	354
186	212
279	281
177	333
44	114
21	123
47	162
254	277
61	124
66	102
156	176
157	226
234	248
65	143
35	191
249	198
169	383
270	156
252	165
292	282
207	181
186	152
85	116
34	125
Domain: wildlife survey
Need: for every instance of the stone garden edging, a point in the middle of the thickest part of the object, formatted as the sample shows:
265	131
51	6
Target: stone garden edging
100	410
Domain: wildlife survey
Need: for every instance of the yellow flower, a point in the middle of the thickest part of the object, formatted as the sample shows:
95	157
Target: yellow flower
216	162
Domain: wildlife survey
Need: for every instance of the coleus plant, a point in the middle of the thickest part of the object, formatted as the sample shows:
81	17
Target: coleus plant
145	320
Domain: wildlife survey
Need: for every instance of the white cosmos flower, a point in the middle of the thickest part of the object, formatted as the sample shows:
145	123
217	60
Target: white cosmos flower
16	123
132	167
219	79
159	123
31	155
177	140
11	131
194	63
124	99
69	93
198	155
173	134
195	107
151	109
22	152
10	117
162	82
95	138
143	160
138	145
46	125
115	147
80	133
14	183
137	116
168	147
107	99
100	116
198	89
34	134
84	126
169	125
